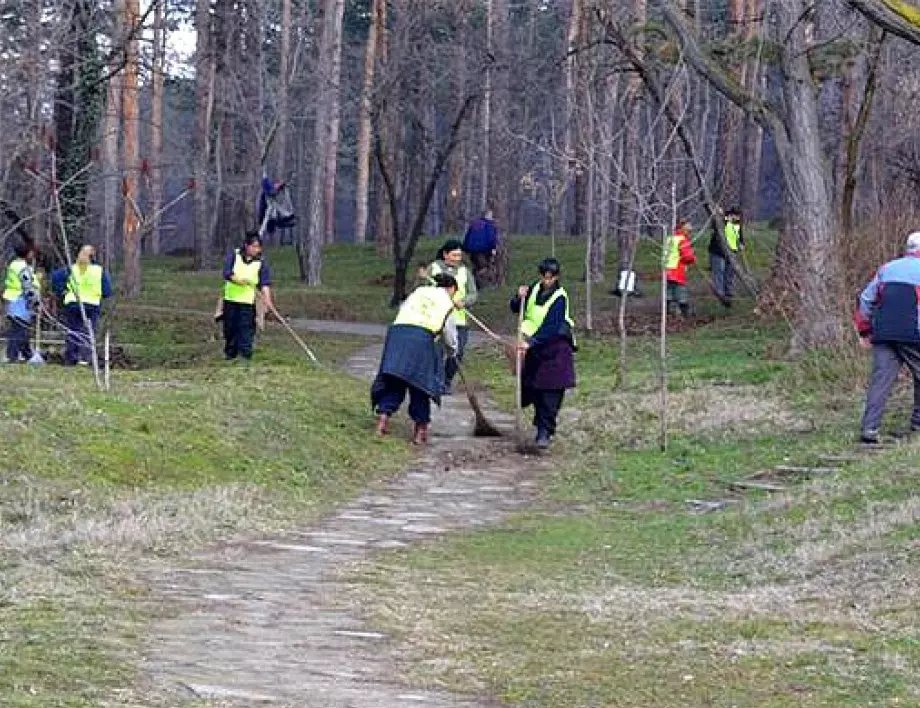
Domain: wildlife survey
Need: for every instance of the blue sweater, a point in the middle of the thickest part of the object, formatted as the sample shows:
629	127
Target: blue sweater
888	306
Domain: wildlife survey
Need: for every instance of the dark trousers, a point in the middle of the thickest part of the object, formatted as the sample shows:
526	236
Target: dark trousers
77	345
239	329
17	340
887	359
723	276
394	393
450	365
482	262
546	405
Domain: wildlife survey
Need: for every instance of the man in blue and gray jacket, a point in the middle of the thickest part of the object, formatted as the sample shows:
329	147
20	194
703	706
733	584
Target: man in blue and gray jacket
888	318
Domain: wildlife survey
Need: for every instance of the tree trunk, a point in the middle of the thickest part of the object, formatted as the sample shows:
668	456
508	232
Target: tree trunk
130	230
855	135
111	129
487	106
332	140
753	133
284	90
568	165
813	221
156	124
364	124
204	105
311	252
384	227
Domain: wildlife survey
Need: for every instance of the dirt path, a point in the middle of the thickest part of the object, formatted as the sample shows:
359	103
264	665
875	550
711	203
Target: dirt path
263	622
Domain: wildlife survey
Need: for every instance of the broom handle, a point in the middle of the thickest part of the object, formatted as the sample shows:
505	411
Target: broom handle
518	362
287	326
483	326
475	320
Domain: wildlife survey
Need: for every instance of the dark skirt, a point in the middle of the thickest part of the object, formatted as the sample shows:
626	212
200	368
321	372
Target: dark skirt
550	366
410	354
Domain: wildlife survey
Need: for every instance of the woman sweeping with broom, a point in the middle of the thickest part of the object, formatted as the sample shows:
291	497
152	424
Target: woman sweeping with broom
412	361
548	342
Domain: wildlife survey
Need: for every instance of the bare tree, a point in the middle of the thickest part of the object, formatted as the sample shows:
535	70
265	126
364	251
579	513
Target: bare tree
205	78
310	251
364	122
111	129
131	283
156	121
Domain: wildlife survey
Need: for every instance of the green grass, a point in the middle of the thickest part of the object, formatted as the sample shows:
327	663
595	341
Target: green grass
610	593
357	282
184	450
629	598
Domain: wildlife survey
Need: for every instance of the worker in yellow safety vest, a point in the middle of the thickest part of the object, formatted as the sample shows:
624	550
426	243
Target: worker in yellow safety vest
450	261
723	274
21	298
549	344
246	277
412	361
83	287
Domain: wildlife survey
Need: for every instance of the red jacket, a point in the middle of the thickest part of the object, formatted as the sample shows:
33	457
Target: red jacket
680	255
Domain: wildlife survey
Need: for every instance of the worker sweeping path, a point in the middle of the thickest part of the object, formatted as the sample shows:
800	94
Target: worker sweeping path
412	360
548	345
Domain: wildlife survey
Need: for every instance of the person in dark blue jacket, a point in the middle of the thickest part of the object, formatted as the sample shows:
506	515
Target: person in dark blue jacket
481	242
549	343
887	319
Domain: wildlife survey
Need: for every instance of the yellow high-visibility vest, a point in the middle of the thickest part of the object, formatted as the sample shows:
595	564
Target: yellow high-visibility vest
732	235
13	288
87	284
673	252
249	272
534	314
463	286
427	307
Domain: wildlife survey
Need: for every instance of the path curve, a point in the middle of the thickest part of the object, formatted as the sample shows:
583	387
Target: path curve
263	623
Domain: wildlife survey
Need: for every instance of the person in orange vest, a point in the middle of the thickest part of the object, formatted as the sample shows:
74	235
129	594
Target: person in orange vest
678	255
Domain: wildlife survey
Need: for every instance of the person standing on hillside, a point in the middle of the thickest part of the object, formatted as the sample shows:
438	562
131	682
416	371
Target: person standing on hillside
678	255
412	361
246	277
549	343
450	261
888	319
86	283
723	274
22	298
481	242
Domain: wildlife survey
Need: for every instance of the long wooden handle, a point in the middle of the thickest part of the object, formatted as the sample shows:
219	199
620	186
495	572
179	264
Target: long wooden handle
482	325
287	326
475	320
518	365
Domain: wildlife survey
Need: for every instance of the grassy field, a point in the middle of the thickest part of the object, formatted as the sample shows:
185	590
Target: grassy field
615	591
618	591
184	450
357	282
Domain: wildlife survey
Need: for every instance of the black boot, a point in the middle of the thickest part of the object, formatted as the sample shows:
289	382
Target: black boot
542	440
